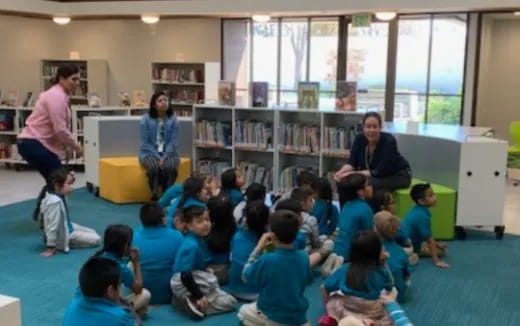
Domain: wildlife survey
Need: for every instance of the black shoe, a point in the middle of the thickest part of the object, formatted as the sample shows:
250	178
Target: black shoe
154	198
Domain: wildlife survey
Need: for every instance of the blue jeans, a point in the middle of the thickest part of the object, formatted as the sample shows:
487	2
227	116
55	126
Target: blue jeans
39	156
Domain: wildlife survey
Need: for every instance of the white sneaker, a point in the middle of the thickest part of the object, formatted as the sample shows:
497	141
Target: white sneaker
326	248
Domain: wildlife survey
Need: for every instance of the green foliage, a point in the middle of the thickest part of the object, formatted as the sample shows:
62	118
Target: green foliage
444	109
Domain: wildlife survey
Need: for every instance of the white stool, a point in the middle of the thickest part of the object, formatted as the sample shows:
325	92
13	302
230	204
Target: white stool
10	311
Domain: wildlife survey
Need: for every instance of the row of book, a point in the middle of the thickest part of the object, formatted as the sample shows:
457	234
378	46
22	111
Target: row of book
213	133
253	134
297	138
176	75
50	71
258	173
12	98
9	151
337	141
212	166
289	174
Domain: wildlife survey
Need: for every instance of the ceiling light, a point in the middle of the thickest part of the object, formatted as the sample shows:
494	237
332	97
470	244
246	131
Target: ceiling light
516	13
150	19
61	20
261	18
386	15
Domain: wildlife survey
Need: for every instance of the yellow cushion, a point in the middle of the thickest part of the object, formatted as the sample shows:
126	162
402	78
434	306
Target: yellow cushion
123	180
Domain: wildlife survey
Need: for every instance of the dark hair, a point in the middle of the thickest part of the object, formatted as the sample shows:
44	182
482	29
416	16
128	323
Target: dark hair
381	198
223	223
418	191
116	239
191	188
285	225
189	213
307	178
152	112
349	186
57	177
365	253
255	191
228	179
151	214
97	274
301	194
325	194
65	71
257	217
373	115
290	205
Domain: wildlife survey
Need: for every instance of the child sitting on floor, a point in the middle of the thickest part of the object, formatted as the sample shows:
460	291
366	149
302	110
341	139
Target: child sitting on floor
99	280
306	180
324	210
60	232
280	275
194	193
232	181
117	247
244	241
195	289
354	289
387	226
356	216
223	229
255	191
417	225
300	243
175	191
157	246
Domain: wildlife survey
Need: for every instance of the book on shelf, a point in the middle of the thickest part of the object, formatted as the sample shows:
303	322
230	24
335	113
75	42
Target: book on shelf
186	96
226	93
336	141
27	101
253	134
258	173
289	174
260	94
94	101
139	98
12	98
346	96
298	138
212	166
6	120
5	150
124	99
308	95
177	75
213	133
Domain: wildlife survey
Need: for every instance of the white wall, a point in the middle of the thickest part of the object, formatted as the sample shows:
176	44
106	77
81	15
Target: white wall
128	46
499	96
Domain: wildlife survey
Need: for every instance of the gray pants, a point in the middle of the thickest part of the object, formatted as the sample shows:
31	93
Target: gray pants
219	301
250	315
83	237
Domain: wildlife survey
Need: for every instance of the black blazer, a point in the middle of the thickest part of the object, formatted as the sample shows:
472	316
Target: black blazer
386	159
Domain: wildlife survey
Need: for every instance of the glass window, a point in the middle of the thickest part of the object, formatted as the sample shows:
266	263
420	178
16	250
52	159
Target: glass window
236	51
323	55
293	65
366	64
444	109
265	53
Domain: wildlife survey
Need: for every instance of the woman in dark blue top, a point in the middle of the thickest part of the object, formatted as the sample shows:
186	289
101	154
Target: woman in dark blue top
158	152
374	153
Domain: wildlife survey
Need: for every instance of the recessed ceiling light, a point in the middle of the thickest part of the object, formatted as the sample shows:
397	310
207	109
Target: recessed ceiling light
61	20
261	18
386	15
150	19
516	13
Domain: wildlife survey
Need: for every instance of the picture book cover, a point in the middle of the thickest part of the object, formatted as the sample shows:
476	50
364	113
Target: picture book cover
94	101
346	96
124	99
28	99
260	94
226	92
12	98
139	98
308	95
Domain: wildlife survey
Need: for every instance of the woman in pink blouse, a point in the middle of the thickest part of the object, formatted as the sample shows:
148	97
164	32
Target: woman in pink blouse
47	134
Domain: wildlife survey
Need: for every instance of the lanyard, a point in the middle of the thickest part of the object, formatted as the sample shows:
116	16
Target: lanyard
368	158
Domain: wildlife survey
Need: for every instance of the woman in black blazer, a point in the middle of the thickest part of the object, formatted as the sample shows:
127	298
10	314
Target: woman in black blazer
375	154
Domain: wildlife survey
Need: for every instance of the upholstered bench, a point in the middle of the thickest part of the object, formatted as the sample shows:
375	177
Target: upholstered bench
123	180
10	311
443	214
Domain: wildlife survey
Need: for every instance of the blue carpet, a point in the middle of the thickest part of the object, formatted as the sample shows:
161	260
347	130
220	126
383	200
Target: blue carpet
481	287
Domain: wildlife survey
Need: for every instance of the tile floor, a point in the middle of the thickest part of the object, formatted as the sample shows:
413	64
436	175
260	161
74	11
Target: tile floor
17	186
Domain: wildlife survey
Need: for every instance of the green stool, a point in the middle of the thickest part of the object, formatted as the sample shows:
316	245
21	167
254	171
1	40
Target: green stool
443	214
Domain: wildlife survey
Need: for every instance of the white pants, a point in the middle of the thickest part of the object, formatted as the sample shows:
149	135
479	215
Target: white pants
83	237
140	301
250	315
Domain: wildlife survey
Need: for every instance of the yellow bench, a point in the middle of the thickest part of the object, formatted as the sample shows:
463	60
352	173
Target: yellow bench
123	180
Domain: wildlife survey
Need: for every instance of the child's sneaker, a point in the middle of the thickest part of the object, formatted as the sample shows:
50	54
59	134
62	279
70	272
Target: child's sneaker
328	265
192	309
326	248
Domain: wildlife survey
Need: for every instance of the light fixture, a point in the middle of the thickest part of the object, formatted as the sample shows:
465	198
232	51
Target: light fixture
386	15
150	19
261	18
61	20
516	13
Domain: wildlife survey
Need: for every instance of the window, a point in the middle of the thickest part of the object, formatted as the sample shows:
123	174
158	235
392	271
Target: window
237	67
430	68
265	53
